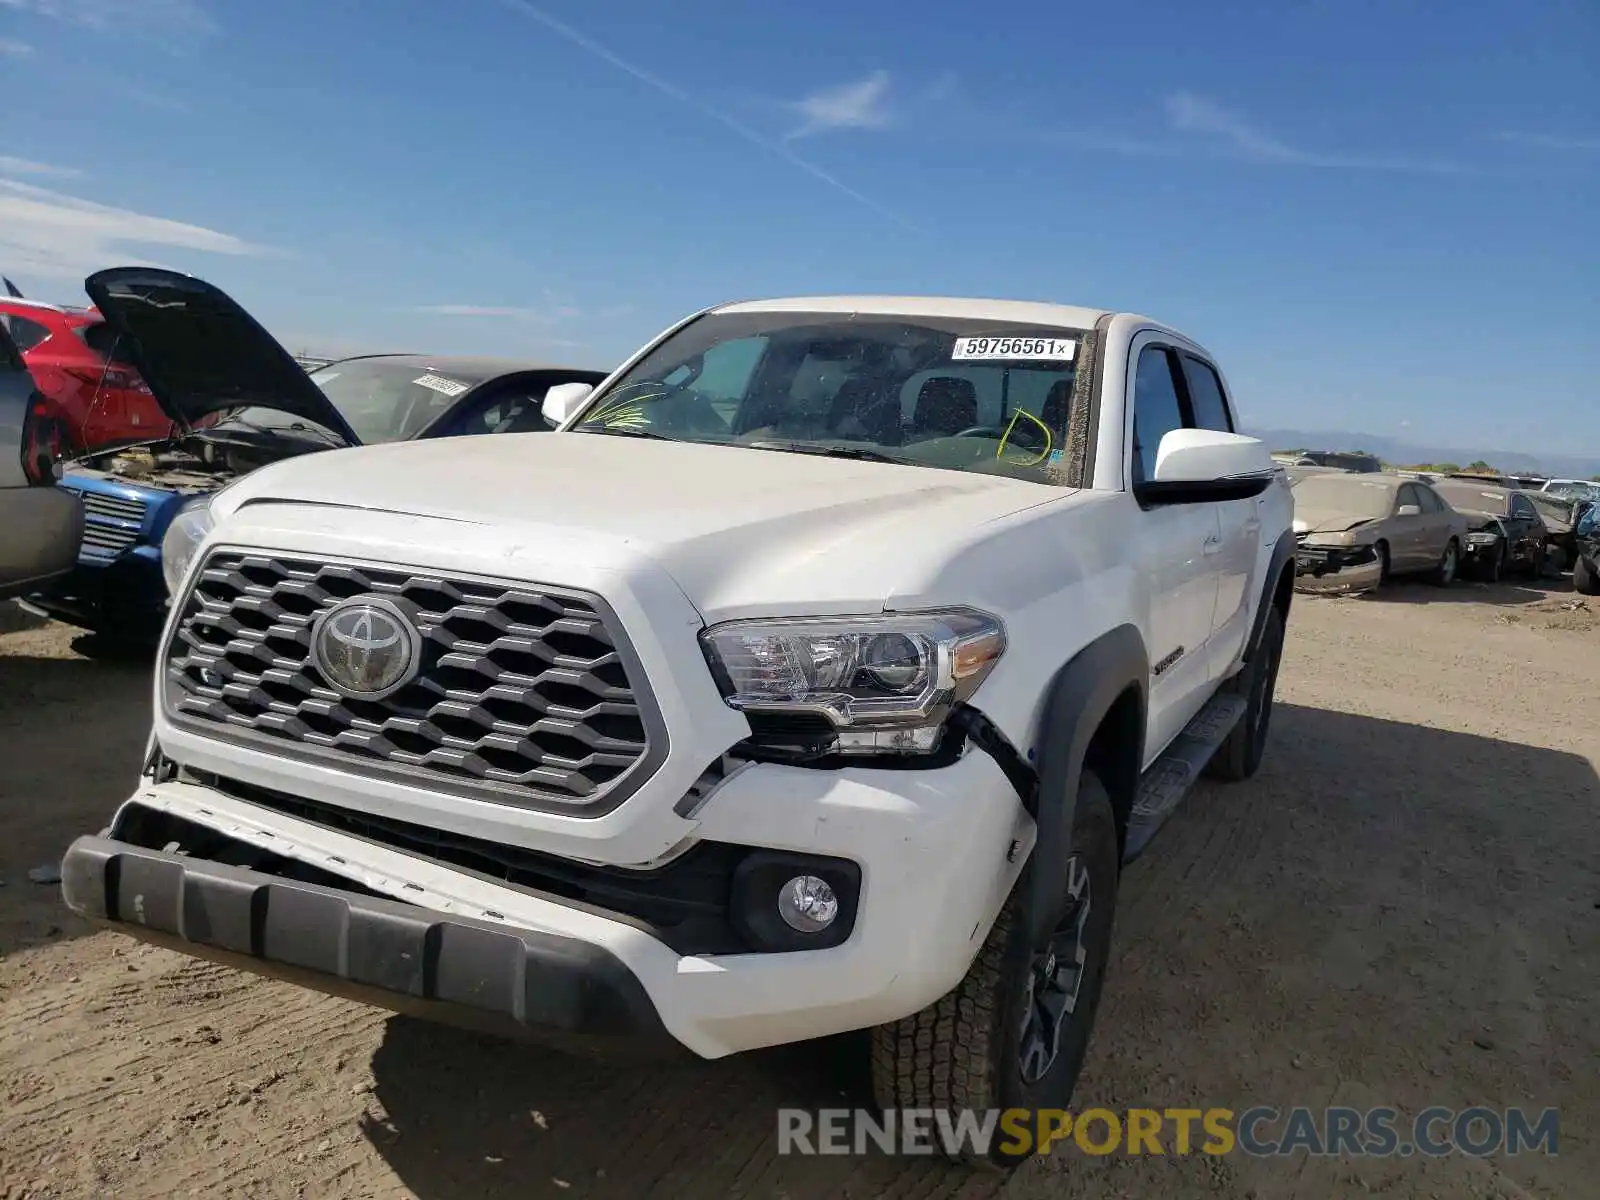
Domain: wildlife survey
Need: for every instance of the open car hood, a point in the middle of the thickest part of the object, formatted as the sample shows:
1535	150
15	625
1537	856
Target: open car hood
200	353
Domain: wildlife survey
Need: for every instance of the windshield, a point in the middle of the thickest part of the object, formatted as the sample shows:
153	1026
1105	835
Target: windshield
1552	506
1571	489
950	393
1343	495
1470	497
389	400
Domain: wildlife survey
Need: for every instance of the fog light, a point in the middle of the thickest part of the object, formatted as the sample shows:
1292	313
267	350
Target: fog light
807	904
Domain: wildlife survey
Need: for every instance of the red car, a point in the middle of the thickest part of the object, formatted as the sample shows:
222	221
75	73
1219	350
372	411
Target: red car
70	352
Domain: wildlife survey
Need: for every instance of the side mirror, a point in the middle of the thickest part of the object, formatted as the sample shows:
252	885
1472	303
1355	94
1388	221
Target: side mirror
1198	465
562	400
1408	510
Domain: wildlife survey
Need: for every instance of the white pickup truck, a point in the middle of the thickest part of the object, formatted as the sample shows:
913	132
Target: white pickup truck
817	673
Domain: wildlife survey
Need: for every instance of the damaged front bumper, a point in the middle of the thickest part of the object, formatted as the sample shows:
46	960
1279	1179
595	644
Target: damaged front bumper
367	914
451	968
1334	570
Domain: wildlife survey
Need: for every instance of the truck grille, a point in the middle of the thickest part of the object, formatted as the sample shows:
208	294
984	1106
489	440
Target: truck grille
524	691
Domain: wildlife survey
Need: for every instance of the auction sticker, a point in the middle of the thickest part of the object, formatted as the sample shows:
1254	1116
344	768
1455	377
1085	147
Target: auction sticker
440	384
1015	349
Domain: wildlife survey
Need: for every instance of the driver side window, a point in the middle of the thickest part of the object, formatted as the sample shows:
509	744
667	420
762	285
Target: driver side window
1157	409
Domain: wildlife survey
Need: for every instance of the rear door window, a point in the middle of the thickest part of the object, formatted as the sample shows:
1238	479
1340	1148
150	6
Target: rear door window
10	356
104	341
26	333
1205	395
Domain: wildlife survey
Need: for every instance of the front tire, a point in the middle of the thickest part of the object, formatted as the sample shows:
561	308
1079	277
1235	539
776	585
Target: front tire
1494	568
1445	573
1014	1032
1382	551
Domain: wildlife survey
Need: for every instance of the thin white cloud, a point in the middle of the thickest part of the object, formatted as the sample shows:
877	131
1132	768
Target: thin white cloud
26	166
484	310
120	15
863	104
172	24
50	234
672	91
1549	141
1201	128
1189	113
11	48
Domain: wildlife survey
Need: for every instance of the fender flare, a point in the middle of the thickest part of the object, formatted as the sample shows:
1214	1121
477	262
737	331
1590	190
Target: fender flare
1282	560
1080	695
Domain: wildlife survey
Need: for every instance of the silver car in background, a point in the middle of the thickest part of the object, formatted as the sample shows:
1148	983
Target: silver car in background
40	524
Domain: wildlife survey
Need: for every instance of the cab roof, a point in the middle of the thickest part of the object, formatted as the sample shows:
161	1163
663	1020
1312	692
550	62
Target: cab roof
1023	312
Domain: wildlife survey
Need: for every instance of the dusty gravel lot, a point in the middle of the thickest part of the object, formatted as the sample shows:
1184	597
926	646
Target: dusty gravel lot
1402	908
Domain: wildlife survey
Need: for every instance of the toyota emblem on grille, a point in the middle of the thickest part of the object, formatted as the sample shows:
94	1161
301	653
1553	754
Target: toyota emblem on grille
366	648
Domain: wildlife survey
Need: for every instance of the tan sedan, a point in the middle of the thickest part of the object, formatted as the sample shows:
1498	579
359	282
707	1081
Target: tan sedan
1354	531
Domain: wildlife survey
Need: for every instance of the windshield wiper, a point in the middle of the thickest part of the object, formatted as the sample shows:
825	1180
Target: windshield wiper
632	431
859	453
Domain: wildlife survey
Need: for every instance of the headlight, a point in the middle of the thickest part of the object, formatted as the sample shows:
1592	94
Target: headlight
182	540
873	684
1482	537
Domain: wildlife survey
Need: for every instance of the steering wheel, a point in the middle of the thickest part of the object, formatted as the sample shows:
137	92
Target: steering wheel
993	431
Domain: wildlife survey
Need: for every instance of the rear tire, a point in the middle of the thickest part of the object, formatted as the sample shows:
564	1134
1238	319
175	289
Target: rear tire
1014	1032
1585	578
1240	756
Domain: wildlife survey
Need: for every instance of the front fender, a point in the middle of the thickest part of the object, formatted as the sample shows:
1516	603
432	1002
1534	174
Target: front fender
1081	694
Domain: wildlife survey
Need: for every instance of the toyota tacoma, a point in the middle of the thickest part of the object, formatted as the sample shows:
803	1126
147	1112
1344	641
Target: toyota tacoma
819	673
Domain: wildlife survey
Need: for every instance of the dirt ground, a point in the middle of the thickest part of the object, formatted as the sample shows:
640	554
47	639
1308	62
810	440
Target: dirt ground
1403	908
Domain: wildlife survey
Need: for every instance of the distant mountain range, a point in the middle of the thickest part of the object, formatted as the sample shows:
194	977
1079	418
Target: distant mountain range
1394	450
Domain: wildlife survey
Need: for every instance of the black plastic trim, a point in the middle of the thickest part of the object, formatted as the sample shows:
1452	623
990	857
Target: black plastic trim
1282	561
754	909
1202	491
987	736
1079	698
458	970
683	903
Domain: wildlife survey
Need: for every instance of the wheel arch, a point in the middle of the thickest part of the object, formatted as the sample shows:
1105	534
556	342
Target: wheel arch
1093	717
1277	591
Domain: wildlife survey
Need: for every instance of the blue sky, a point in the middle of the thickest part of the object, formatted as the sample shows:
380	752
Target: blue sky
1379	216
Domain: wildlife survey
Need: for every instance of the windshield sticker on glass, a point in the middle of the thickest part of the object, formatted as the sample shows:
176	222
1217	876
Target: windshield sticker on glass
1015	349
440	384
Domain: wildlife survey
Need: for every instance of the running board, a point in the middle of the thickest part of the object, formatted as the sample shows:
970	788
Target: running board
1170	778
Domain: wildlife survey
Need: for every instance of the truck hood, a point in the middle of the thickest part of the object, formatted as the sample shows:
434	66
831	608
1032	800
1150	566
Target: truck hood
741	531
201	353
